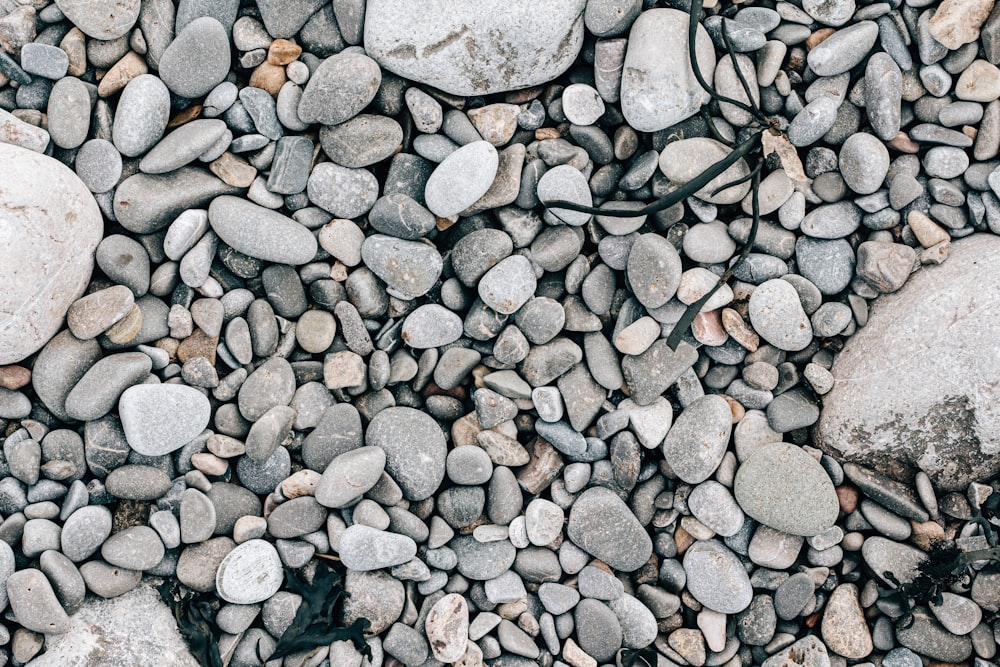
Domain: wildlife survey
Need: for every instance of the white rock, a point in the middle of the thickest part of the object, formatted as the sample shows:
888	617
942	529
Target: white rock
250	573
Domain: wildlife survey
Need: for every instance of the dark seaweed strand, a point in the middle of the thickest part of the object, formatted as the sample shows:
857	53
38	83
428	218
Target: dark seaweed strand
713	130
739	74
682	193
674	339
738	181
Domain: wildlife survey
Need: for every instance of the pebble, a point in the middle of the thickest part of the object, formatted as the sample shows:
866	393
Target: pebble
844	628
415	449
682	161
566	183
349	476
783	487
603	526
158	419
447	628
715	577
363	548
35	604
508	285
104	19
143	112
197	60
653	96
776	314
409	268
135	548
259	232
66	249
431	326
844	49
864	161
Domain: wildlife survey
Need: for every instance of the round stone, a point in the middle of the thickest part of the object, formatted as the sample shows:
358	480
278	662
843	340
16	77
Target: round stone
508	285
566	183
431	325
777	315
415	449
716	578
339	89
197	60
50	227
697	441
653	270
864	162
141	115
461	179
409	268
781	486
936	324
603	526
250	573
683	161
160	418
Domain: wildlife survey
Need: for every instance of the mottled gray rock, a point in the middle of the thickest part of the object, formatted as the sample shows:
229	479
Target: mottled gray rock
260	232
658	86
603	526
843	49
101	19
349	476
415	449
339	89
34	603
925	636
142	114
684	160
783	487
363	548
410	268
158	419
144	203
461	179
697	441
512	44
51	228
716	578
934	425
198	58
345	193
482	561
777	315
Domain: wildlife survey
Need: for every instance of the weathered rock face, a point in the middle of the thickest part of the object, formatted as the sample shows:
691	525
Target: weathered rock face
475	48
49	228
136	628
916	387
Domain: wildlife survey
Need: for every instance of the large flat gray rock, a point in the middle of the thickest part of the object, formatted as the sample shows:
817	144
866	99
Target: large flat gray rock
475	48
135	629
916	388
50	226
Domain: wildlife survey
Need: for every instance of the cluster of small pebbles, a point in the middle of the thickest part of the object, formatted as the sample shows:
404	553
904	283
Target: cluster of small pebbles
279	284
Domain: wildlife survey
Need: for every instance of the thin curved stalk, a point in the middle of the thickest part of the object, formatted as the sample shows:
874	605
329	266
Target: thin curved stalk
738	181
680	194
713	130
696	7
739	75
674	339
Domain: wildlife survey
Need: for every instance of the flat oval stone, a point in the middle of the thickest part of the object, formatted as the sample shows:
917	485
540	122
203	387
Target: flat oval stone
50	227
781	486
431	325
84	532
401	216
461	179
864	162
145	203
345	193
482	561
349	476
260	232
250	573
658	86
684	160
513	44
409	268
716	578
158	419
603	526
35	604
101	19
363	548
697	441
843	49
137	482
183	145
936	324
566	183
141	115
198	59
69	113
135	548
340	88
926	637
653	270
777	315
508	285
415	449
361	141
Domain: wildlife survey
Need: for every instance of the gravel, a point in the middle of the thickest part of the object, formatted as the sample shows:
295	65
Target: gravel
297	297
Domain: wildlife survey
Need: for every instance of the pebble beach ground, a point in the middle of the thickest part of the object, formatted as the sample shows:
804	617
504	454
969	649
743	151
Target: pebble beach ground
282	293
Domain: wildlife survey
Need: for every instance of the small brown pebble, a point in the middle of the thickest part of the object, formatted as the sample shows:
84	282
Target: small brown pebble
338	271
682	539
75	46
523	96
14	377
818	37
543	133
736	327
185	116
233	170
444	223
902	143
708	330
847	496
127	328
282	52
210	464
925	535
269	77
169	345
131	65
197	345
